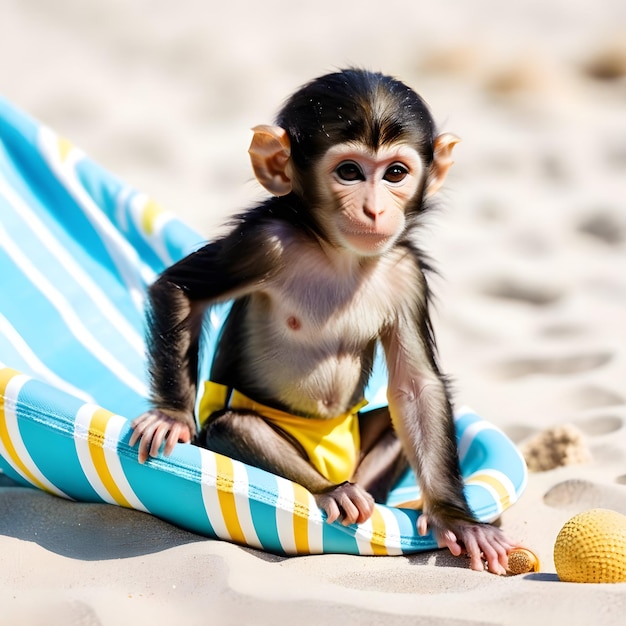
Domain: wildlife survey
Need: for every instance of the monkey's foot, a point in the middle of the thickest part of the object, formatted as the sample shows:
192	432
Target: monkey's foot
481	542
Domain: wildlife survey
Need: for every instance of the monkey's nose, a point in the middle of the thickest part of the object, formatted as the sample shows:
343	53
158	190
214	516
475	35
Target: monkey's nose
373	211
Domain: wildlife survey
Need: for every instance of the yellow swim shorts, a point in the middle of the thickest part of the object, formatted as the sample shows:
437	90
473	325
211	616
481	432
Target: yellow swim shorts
332	445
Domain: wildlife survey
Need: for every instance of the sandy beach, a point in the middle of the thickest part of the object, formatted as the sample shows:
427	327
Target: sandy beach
530	242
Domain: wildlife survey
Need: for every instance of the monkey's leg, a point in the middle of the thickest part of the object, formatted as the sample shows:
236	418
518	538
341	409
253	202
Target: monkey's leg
247	437
382	459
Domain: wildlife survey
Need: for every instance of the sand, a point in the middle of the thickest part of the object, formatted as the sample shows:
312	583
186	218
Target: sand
530	241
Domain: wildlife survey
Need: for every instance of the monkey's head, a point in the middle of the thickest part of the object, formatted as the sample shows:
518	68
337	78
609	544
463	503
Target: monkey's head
360	150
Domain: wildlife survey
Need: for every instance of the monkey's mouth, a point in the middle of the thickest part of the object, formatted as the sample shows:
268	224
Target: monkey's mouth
368	240
366	233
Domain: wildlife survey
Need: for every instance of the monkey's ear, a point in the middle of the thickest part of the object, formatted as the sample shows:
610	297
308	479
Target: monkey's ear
270	153
442	161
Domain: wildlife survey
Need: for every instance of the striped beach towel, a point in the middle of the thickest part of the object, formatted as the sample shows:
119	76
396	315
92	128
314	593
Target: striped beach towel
78	247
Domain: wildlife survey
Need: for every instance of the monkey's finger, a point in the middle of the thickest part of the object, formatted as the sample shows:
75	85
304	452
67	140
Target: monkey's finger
139	426
496	548
422	525
449	540
185	434
178	432
159	434
492	556
503	548
171	439
366	508
474	552
145	419
134	437
332	510
145	442
350	511
144	450
496	557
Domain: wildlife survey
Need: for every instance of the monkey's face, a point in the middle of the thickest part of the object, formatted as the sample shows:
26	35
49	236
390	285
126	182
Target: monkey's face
365	194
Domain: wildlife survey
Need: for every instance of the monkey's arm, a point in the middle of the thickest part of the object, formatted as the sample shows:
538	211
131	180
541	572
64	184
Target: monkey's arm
422	416
178	299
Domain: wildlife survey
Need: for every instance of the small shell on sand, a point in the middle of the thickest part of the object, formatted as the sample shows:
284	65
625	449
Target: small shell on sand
523	561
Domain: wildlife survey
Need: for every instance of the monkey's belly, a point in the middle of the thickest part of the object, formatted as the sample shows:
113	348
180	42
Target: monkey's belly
312	385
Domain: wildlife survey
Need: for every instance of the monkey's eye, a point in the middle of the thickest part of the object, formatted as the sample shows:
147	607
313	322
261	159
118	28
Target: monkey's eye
396	173
349	172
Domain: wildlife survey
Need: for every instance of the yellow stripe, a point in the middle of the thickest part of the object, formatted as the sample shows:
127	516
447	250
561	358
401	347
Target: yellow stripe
379	533
495	484
95	439
65	147
149	215
301	518
225	493
6	375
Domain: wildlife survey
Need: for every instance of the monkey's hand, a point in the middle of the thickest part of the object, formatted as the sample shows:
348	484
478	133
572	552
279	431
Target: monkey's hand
347	502
481	542
154	427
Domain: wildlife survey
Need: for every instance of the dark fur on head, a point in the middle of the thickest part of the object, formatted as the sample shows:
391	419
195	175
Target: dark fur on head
355	105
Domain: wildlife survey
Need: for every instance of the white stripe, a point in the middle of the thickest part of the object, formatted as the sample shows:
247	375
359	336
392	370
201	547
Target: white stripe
155	240
71	318
136	204
123	255
208	484
121	215
469	434
36	365
392	532
498	476
78	274
115	424
81	441
10	404
242	504
284	515
363	536
316	527
495	497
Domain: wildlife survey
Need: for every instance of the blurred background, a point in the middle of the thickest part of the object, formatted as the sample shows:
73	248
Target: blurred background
531	238
164	92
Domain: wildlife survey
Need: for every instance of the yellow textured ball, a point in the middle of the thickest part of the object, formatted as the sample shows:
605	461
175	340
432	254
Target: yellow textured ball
591	548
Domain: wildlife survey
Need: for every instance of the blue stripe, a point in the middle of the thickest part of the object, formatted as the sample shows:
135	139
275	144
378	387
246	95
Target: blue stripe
338	539
263	496
59	350
49	437
105	190
169	488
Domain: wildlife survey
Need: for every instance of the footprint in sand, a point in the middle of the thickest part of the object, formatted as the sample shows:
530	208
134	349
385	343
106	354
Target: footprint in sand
592	397
554	365
583	494
608	63
522	290
563	330
601	425
604	226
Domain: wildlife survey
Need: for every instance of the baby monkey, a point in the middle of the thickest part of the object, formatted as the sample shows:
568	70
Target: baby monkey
319	274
